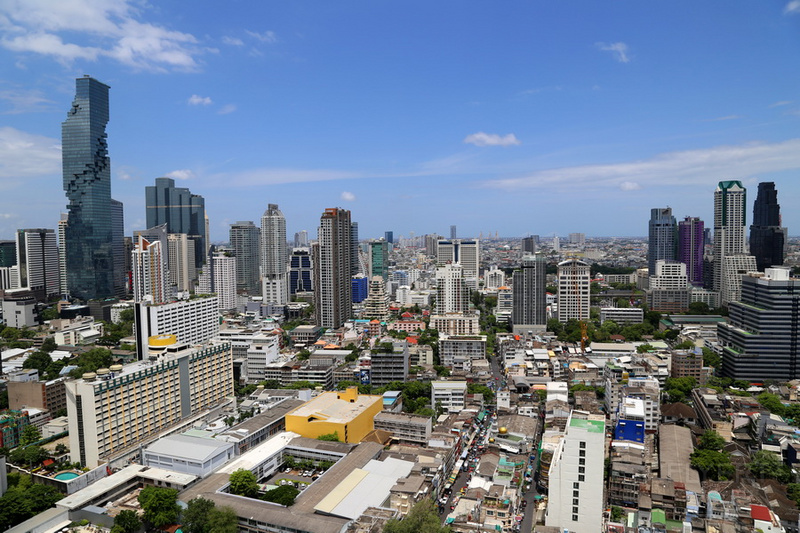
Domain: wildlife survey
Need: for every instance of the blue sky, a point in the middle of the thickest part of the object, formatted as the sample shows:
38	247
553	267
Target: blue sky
511	117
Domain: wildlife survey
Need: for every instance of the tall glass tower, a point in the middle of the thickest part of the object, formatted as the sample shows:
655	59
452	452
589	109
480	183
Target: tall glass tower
87	182
181	211
767	237
691	245
662	237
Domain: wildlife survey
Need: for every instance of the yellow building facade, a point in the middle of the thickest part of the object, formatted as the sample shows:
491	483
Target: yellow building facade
348	414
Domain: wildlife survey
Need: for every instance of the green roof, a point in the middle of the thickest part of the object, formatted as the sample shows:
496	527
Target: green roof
592	426
658	516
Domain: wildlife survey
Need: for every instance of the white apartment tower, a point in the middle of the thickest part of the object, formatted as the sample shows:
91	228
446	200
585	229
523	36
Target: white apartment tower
38	266
62	254
576	475
377	303
182	270
274	257
730	233
332	257
574	282
224	276
452	294
149	271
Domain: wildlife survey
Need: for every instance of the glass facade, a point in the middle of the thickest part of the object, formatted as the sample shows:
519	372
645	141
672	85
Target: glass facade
87	183
181	211
767	237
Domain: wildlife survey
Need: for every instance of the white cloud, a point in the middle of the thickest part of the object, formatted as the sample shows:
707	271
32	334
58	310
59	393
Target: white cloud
233	41
491	139
199	100
182	174
792	7
671	168
24	101
6	216
24	155
629	186
227	108
55	29
348	197
782	102
266	37
620	50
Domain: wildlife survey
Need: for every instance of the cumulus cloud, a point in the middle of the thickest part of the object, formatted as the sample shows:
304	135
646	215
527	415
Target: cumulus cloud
199	100
782	103
620	50
265	37
227	108
629	186
348	197
671	168
792	7
182	174
491	139
55	29
24	155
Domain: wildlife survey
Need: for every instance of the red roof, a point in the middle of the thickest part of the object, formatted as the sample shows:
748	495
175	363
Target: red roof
759	512
407	315
412	340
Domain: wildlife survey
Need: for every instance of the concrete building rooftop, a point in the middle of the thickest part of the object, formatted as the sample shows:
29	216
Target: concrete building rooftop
329	407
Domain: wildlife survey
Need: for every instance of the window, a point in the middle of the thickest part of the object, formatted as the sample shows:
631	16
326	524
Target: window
582	453
581	477
581	469
583	445
574	518
575	485
575	493
581	461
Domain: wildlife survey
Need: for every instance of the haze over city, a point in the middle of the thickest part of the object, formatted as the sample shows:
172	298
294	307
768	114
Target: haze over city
531	117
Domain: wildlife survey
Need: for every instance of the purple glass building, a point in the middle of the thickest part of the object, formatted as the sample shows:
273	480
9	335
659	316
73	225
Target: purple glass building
691	240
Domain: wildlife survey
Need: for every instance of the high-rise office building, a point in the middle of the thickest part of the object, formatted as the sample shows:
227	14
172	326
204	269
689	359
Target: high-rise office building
300	271
662	237
355	263
301	239
379	259
577	238
274	262
576	472
246	243
37	262
118	247
465	252
691	243
530	296
87	182
149	271
181	211
389	236
8	253
730	200
761	339
767	237
431	243
529	244
574	282
332	256
453	232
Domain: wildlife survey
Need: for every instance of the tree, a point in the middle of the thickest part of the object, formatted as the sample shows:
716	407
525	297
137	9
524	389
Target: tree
422	518
160	505
195	517
771	402
61	449
223	520
765	464
283	495
127	521
34	455
711	358
330	437
38	361
710	440
244	483
712	464
616	513
644	348
49	344
30	434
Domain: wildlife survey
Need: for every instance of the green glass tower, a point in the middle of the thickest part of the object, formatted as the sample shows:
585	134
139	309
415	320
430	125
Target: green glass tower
87	182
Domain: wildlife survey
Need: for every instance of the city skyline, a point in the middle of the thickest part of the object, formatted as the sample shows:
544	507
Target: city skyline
612	108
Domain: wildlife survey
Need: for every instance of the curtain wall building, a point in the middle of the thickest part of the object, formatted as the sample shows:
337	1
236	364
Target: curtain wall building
246	243
691	243
662	237
181	211
767	237
89	236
